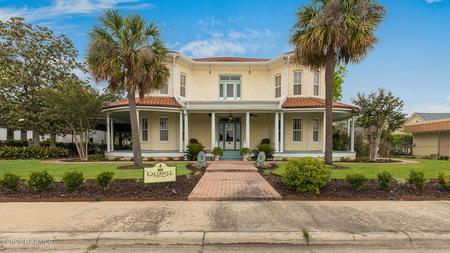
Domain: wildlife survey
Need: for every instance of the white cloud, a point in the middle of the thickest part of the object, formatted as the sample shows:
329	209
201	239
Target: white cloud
428	107
65	7
433	1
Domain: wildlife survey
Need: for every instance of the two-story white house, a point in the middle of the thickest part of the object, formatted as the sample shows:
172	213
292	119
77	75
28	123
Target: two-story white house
231	102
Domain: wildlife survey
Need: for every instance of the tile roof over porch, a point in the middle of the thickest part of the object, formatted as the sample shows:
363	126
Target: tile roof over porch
312	102
163	101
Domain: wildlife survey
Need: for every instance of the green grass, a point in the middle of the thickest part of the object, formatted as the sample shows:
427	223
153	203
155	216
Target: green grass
23	168
431	168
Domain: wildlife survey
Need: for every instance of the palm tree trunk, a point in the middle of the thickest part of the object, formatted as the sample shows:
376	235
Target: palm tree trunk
329	74
137	154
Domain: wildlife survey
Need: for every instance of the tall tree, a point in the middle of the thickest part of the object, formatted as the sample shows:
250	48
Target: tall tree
380	114
127	52
329	32
31	57
78	106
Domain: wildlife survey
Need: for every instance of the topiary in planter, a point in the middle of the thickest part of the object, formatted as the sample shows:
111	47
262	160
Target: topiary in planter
417	178
384	179
41	180
73	179
267	149
356	180
217	152
104	179
10	181
192	151
306	174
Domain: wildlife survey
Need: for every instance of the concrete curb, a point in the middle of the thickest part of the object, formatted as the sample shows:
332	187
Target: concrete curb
82	240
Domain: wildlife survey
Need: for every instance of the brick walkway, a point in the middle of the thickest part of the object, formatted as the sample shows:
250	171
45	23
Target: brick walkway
233	180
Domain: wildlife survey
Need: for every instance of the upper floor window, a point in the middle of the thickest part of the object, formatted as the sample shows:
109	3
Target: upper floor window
182	85
316	83
297	130
144	128
164	129
278	86
230	86
165	89
297	83
315	130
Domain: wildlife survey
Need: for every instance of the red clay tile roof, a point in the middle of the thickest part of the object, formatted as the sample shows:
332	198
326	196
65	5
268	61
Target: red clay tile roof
312	102
230	59
149	101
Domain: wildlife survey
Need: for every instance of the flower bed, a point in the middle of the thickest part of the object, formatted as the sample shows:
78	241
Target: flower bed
338	189
120	189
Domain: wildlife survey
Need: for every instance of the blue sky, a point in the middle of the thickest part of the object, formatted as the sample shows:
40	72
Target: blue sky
411	58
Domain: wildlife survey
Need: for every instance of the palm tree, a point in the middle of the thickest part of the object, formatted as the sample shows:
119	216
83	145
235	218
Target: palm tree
127	53
329	32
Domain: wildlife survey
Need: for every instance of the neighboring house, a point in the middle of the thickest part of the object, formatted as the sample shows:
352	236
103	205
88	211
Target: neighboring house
431	133
231	102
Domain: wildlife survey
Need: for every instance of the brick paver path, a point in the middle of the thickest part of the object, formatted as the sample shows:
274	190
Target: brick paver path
232	180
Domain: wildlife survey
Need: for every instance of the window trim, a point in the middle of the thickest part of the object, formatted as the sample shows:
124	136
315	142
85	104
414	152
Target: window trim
166	84
294	83
318	130
183	86
293	130
224	84
160	129
277	85
316	84
146	129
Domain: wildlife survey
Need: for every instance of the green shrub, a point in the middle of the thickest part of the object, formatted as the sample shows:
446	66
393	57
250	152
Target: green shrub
384	179
10	181
306	174
104	179
267	149
41	180
9	152
417	178
73	179
443	180
356	180
217	151
192	151
244	151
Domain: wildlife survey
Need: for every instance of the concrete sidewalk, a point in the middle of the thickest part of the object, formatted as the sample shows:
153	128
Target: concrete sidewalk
83	224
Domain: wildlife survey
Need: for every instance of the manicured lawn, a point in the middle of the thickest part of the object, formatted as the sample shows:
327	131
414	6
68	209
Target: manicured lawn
23	168
431	168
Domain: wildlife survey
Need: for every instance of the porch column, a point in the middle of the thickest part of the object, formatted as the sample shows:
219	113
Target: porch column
352	141
276	139
108	134
247	130
281	132
323	131
213	130
181	132
186	129
112	134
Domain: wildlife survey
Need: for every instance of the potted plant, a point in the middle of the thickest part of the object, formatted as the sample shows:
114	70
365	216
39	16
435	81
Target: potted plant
217	152
245	153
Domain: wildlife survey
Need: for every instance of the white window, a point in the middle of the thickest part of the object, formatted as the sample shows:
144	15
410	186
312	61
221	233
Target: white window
278	86
144	127
165	89
315	130
164	129
230	86
316	83
182	85
296	129
297	83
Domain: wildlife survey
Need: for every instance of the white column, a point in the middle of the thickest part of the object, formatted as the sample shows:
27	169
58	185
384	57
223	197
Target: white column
247	130
348	127
276	140
112	134
108	134
281	132
213	130
286	79
352	141
181	132
323	131
186	129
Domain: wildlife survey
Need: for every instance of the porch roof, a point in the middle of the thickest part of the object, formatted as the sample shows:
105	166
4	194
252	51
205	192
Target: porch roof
161	101
312	102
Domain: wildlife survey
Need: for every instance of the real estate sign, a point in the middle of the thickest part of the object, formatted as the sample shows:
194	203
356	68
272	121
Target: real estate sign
160	173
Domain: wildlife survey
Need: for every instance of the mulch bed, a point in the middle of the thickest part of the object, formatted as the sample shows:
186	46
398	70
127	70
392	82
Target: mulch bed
119	190
338	189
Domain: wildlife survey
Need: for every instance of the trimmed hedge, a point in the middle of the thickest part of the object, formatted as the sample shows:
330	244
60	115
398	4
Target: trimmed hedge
306	174
8	152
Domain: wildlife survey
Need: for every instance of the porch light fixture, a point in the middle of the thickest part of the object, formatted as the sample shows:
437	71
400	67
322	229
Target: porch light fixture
249	70
230	118
210	69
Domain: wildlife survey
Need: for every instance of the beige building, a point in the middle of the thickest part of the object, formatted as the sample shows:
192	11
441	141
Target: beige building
431	133
231	103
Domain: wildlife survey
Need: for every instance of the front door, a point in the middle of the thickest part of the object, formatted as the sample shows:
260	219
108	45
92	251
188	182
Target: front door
230	134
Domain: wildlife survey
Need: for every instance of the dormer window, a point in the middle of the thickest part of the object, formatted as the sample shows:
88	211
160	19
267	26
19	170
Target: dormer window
316	83
165	89
278	86
297	83
230	86
182	85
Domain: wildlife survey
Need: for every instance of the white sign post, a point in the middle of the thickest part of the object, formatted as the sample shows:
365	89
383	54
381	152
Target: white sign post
160	173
